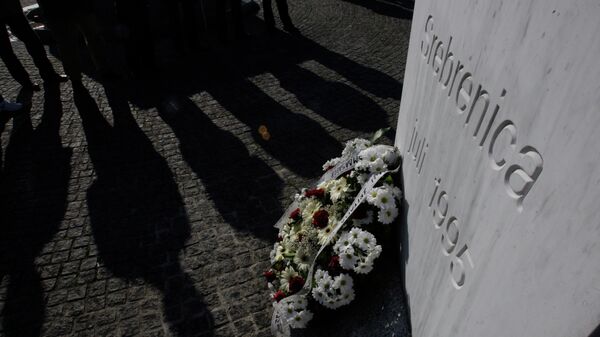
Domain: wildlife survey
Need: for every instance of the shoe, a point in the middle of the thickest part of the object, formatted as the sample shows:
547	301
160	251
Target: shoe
57	78
31	86
10	107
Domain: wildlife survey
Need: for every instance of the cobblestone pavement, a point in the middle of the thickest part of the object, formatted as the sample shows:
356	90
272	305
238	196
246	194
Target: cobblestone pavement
147	209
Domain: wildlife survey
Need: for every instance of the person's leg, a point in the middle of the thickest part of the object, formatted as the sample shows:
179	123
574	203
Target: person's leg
284	14
22	30
268	14
66	35
96	45
14	66
221	8
238	19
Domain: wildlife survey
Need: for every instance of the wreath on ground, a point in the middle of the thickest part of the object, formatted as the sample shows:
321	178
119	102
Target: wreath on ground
326	235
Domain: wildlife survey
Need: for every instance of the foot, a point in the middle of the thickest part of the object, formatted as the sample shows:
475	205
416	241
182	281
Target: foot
10	107
57	78
31	86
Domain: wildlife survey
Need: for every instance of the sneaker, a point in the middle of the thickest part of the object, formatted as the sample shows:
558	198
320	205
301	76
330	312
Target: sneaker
10	107
57	78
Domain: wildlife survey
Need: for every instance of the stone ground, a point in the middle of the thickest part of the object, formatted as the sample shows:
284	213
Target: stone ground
146	209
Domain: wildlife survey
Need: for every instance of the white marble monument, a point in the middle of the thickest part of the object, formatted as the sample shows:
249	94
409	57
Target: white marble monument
500	129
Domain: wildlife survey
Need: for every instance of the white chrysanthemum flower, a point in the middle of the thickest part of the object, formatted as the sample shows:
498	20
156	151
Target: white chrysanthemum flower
345	241
363	268
331	163
347	258
395	191
333	292
385	198
309	207
387	215
326	185
362	178
339	189
302	258
377	166
354	146
300	319
355	232
357	250
344	282
365	240
324	234
378	158
372	196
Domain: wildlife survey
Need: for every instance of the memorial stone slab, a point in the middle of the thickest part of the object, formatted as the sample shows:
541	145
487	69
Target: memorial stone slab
499	126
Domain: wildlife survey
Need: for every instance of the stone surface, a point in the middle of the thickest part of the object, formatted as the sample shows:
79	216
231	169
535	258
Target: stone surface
148	227
502	207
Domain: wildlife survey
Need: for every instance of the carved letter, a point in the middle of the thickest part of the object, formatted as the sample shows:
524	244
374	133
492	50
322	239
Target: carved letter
438	55
426	45
484	96
449	57
510	128
465	88
517	172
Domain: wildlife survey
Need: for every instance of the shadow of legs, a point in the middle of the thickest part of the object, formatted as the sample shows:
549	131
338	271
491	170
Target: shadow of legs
138	218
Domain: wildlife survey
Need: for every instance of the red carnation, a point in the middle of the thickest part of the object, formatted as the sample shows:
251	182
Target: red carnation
270	275
278	296
315	192
320	218
334	262
296	283
295	215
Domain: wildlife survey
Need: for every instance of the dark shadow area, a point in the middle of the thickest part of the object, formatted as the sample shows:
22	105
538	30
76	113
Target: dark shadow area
596	332
277	52
379	308
287	136
346	107
137	216
34	196
244	188
403	240
400	9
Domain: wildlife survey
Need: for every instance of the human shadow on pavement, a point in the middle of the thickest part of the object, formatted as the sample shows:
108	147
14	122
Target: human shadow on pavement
300	143
243	187
33	203
335	101
137	215
276	52
399	9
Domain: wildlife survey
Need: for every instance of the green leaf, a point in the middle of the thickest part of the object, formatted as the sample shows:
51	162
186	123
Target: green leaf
378	134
